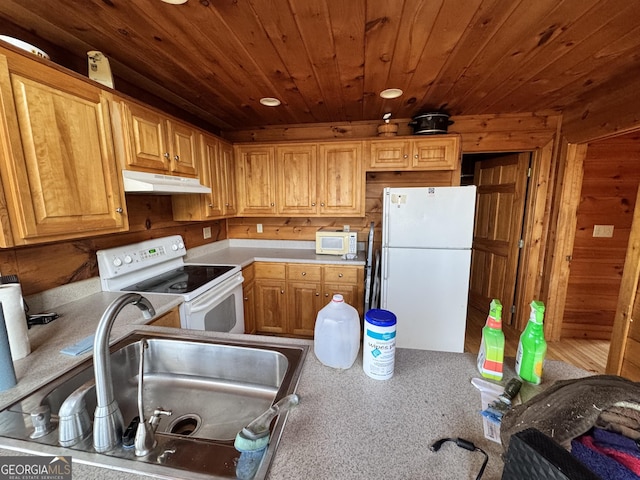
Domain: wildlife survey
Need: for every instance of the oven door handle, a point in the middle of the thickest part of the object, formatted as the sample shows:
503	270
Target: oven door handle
215	295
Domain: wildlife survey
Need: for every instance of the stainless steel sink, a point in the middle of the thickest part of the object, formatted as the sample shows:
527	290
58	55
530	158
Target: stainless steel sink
213	389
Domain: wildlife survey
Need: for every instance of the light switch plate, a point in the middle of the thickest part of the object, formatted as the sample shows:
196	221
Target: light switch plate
605	231
206	232
259	227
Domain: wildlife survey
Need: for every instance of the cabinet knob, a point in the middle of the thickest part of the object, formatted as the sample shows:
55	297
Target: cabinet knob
322	204
177	158
211	205
405	155
415	156
273	204
282	292
339	275
119	210
313	204
227	204
317	294
246	299
304	274
326	294
166	155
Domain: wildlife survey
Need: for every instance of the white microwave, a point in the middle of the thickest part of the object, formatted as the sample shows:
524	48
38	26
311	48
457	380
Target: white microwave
336	242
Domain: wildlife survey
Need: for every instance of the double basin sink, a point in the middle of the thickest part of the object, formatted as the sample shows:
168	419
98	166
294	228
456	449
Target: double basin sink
212	388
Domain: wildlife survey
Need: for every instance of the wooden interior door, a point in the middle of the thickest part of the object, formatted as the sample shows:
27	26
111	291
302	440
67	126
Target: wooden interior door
502	189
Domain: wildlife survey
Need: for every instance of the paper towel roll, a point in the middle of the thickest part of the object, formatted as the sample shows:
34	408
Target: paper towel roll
14	317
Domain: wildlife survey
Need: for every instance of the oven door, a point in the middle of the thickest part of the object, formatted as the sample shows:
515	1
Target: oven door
219	309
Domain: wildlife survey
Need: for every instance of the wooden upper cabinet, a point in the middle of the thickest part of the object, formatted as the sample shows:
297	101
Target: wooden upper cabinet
341	179
59	172
184	148
256	180
228	168
296	179
300	179
389	154
428	152
153	142
216	171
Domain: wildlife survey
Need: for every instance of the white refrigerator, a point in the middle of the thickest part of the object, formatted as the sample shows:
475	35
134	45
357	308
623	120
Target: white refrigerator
426	261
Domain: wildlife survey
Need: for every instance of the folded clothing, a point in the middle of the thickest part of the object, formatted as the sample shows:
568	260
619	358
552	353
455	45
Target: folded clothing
599	463
622	417
606	439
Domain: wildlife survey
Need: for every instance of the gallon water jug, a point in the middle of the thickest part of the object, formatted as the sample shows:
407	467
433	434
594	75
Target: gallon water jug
337	334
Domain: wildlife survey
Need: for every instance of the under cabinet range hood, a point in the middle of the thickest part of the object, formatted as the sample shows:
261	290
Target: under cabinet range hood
158	184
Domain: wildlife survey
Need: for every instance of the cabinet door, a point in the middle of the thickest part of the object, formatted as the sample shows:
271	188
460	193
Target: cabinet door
270	312
248	293
436	153
296	179
389	154
256	180
227	166
169	319
183	149
59	172
211	175
304	300
341	179
146	139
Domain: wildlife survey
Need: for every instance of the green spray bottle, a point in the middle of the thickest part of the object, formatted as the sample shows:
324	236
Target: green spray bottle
491	353
532	346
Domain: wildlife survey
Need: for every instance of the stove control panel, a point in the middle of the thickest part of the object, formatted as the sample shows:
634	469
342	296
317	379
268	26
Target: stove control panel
124	260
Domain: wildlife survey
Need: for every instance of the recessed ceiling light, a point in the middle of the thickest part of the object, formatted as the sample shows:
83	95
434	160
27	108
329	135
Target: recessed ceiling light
391	93
175	2
270	102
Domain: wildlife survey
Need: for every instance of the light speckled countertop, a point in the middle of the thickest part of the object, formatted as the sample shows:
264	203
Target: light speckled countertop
348	426
243	252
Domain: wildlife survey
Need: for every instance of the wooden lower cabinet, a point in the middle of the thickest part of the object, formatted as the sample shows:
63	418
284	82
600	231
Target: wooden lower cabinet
288	296
169	319
248	299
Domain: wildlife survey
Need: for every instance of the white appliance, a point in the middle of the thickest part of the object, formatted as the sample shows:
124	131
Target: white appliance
336	242
212	294
426	260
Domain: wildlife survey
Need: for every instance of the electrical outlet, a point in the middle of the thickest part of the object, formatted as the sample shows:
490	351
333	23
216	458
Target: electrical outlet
206	232
259	228
605	231
346	228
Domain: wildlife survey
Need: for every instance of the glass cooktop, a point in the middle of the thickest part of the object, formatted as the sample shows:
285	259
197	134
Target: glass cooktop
184	279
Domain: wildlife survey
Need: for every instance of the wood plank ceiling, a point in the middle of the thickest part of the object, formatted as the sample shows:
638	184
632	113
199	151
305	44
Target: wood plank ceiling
328	60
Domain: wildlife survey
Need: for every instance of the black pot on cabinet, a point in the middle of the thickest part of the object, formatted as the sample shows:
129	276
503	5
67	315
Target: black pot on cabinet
430	123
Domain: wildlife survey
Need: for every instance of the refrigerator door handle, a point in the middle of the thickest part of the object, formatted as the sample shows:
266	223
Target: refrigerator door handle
385	219
385	263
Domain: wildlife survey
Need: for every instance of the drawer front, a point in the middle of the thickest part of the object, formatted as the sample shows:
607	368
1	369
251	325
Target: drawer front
304	272
340	274
269	270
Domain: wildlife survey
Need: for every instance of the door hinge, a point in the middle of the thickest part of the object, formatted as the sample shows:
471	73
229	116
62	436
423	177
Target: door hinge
513	309
521	243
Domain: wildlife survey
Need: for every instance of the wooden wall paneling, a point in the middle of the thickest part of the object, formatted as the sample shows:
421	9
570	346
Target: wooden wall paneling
558	255
480	133
610	181
628	292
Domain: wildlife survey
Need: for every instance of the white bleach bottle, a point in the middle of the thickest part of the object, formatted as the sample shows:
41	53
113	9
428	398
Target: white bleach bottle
336	341
379	344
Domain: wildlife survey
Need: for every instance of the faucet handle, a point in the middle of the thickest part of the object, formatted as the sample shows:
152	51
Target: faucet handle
155	418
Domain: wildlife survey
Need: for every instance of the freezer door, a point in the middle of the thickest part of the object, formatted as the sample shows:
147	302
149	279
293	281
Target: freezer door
427	290
428	217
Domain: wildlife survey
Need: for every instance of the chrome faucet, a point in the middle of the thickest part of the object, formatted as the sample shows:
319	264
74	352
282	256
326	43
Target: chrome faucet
107	420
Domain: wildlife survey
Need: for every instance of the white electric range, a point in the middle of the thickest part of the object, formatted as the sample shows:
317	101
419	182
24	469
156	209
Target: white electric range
212	293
